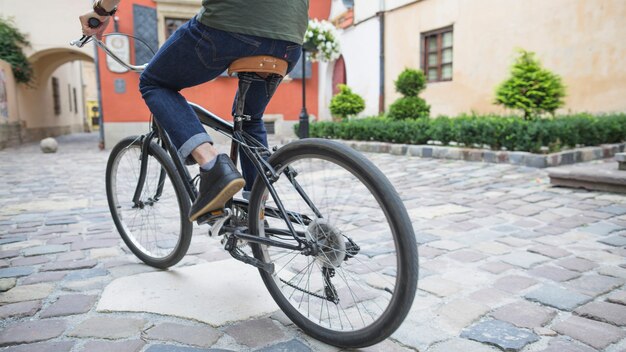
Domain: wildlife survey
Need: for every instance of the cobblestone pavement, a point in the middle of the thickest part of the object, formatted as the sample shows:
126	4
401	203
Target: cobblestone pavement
507	262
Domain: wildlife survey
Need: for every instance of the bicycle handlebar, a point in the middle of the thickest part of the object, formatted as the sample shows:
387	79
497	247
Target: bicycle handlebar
95	23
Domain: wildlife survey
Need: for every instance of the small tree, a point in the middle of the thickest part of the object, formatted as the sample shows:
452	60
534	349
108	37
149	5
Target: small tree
410	83
531	88
346	103
11	43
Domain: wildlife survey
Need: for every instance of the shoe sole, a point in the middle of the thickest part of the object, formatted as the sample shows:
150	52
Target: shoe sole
218	202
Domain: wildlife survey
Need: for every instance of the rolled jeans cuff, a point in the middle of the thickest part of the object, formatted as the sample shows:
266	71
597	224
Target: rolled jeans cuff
184	152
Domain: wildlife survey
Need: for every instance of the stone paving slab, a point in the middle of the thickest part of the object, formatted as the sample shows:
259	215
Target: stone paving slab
558	297
200	336
501	334
506	258
605	312
593	333
61	346
32	331
197	292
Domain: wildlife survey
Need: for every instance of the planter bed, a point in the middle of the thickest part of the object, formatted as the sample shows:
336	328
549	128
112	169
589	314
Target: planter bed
566	157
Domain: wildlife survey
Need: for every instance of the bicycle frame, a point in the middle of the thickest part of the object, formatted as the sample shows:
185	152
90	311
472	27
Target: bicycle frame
252	148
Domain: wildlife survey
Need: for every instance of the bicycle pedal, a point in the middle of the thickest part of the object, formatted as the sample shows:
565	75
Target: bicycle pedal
218	223
211	217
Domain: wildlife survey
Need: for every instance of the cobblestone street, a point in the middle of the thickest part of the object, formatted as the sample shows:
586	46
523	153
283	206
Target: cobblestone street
507	262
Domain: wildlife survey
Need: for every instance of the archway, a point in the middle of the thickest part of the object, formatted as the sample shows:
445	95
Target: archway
339	74
54	102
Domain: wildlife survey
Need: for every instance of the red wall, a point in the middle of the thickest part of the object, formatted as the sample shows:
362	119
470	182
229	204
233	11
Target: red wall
217	95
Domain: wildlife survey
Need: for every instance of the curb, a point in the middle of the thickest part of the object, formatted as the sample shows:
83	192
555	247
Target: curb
567	157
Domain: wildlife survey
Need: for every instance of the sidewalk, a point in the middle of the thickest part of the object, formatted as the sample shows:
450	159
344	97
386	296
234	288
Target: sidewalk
507	262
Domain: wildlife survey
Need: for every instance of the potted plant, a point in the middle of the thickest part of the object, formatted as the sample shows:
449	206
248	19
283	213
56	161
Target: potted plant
320	41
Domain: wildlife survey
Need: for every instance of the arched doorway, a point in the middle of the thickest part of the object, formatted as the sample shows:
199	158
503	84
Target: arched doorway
54	102
339	74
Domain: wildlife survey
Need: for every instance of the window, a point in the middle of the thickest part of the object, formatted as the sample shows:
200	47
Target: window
437	55
75	101
172	24
56	96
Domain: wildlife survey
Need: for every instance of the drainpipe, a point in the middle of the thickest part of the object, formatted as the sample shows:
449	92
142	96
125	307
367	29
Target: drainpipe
381	88
99	83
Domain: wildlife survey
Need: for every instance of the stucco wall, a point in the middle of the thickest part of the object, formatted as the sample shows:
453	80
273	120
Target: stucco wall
49	24
362	63
69	76
11	94
9	117
51	56
581	40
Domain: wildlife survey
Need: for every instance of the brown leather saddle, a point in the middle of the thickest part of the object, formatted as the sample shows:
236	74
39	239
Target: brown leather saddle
263	65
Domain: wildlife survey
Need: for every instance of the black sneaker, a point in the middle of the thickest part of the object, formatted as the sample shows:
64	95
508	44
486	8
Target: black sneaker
217	186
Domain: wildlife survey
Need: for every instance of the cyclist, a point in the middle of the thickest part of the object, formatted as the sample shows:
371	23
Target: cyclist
199	51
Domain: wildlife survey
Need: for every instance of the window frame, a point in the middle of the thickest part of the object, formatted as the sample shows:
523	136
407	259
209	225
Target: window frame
173	18
56	96
425	41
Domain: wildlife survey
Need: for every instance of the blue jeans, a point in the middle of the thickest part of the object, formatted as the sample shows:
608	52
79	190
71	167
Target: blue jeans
196	54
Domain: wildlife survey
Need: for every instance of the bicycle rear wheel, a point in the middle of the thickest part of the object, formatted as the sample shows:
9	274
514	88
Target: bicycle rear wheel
359	287
156	229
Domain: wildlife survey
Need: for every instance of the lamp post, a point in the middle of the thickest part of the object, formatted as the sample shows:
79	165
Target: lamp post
303	129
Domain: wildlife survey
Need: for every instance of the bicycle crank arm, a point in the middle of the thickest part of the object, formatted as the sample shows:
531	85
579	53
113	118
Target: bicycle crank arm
266	241
231	247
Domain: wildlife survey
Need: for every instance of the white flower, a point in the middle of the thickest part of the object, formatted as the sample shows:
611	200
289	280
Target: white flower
322	35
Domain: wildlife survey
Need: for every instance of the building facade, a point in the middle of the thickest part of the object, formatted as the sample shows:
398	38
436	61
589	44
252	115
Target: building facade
54	102
154	20
360	63
466	48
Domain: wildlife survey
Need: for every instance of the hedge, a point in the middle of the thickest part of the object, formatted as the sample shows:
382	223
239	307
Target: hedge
495	132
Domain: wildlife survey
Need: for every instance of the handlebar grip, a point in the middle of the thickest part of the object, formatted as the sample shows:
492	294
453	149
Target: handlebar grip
94	22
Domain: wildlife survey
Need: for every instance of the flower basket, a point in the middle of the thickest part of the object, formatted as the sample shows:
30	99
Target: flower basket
320	41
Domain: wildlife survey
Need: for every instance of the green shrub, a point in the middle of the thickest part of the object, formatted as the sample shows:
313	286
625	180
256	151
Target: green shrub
410	82
346	103
497	132
531	88
11	43
409	108
441	129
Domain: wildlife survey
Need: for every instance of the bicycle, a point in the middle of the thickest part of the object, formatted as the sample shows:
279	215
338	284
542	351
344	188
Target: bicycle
328	232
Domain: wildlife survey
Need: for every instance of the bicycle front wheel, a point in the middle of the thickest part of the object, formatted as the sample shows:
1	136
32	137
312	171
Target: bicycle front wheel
155	227
359	285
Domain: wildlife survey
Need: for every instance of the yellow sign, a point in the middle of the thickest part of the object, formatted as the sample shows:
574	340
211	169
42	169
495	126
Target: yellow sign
93	114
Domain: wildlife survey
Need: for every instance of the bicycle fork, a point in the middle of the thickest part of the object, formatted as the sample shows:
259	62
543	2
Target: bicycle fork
146	140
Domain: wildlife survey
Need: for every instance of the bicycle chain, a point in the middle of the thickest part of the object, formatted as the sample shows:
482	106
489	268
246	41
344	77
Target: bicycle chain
303	290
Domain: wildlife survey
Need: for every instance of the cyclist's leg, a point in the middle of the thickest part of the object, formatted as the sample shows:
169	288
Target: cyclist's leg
177	66
257	98
193	55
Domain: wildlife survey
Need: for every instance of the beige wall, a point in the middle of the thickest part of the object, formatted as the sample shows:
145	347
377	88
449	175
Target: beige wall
36	103
11	94
51	56
581	40
49	24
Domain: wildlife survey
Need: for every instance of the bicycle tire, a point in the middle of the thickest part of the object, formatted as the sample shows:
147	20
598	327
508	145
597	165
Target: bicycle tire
339	158
164	214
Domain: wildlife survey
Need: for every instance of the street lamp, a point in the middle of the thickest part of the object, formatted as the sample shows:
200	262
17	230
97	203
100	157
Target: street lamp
303	129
